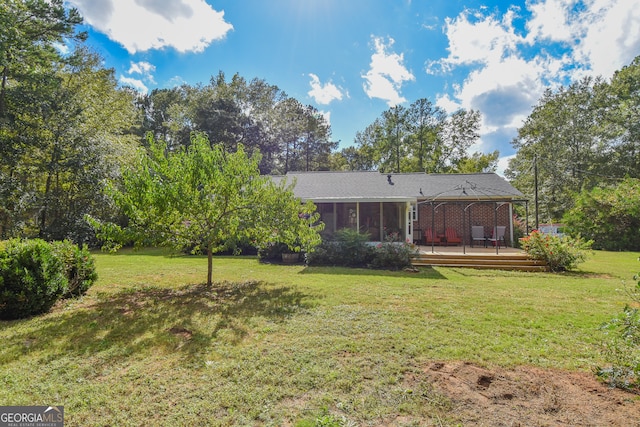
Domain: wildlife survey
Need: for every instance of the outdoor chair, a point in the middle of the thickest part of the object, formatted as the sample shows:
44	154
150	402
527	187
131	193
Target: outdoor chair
477	234
452	236
430	238
498	236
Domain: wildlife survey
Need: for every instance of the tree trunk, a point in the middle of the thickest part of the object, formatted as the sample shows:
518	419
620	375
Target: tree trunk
209	267
3	89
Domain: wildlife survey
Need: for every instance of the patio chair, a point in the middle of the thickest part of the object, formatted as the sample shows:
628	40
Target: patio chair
477	234
498	236
452	236
430	237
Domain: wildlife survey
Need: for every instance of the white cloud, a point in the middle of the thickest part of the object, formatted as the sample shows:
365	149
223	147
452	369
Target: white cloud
323	94
62	48
508	70
140	25
503	164
387	73
137	84
484	40
611	35
142	67
550	20
327	116
175	81
145	69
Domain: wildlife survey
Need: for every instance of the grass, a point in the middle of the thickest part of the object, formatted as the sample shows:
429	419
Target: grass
287	345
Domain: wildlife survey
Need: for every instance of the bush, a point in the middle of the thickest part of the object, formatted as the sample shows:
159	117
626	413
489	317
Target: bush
80	269
32	278
352	249
560	253
393	254
34	274
622	351
348	249
272	251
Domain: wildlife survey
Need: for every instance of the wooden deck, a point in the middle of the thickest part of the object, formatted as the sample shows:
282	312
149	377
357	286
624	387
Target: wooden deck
477	257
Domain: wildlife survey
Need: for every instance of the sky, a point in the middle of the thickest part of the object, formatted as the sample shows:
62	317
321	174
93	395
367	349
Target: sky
354	59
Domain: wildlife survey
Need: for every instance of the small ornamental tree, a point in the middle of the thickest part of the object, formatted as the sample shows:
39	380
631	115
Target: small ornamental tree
206	199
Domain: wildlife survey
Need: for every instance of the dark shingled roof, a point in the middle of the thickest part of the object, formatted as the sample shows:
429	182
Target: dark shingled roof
376	186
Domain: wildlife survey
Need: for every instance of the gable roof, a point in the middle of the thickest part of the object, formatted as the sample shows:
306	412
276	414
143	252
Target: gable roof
400	187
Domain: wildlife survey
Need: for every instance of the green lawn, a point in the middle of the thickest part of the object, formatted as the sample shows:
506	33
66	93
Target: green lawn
284	345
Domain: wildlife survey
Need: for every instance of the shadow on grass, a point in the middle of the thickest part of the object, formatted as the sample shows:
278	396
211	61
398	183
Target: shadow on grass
421	274
188	320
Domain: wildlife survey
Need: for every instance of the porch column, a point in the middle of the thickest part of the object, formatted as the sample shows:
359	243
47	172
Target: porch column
511	224
409	225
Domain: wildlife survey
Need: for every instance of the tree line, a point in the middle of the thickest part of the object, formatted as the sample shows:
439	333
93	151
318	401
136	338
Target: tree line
581	144
67	128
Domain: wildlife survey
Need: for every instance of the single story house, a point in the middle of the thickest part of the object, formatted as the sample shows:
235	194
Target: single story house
408	203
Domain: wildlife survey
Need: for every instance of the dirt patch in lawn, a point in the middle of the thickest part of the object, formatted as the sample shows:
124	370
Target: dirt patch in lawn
529	396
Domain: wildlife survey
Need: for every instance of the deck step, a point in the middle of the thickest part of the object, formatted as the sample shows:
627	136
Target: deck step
498	262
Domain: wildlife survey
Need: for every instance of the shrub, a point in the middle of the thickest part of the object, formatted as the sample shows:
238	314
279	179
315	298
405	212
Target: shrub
348	249
393	253
80	268
32	278
34	274
560	253
272	251
352	249
622	351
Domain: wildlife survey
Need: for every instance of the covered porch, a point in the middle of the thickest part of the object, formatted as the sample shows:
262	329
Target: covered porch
379	219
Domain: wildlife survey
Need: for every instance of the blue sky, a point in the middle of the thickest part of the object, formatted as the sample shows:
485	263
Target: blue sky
353	59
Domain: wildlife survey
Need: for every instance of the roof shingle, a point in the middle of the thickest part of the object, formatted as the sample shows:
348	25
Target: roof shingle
376	186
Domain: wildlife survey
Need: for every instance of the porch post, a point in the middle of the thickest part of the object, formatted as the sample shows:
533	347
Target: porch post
511	223
409	225
381	224
433	219
495	225
464	238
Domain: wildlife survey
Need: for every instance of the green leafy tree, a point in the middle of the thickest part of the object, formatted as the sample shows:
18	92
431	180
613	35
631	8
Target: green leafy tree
425	124
290	135
609	215
72	133
619	109
29	30
421	138
562	133
205	198
581	135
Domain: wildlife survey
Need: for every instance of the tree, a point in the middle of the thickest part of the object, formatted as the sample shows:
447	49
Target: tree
29	30
290	135
582	135
562	133
425	124
609	215
205	198
28	63
71	133
619	109
420	138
